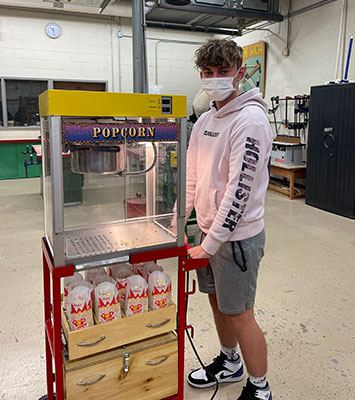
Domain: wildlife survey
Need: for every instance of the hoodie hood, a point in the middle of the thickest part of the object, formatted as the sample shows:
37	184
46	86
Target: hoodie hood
250	98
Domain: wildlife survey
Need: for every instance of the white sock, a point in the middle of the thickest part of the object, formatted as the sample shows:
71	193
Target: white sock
259	382
232	354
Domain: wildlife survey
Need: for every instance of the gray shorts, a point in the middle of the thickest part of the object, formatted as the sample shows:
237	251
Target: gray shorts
232	272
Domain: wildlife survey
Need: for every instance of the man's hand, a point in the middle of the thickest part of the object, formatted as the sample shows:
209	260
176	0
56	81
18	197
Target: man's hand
197	252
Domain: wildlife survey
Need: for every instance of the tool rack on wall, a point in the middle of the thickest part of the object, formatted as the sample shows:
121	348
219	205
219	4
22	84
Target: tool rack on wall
297	123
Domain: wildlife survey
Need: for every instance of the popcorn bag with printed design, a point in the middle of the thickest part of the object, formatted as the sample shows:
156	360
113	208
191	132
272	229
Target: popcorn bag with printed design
150	267
84	283
159	290
80	308
138	268
136	296
115	269
70	281
92	274
100	279
107	304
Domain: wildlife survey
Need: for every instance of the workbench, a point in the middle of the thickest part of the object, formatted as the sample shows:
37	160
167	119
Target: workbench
13	153
289	172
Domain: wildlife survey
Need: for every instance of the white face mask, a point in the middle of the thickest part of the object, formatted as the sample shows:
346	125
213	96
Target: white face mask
219	89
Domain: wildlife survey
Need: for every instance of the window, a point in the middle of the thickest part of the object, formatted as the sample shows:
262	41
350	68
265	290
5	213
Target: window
68	85
22	101
19	99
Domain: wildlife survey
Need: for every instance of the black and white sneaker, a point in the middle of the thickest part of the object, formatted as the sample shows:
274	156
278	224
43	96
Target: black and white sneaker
252	392
222	369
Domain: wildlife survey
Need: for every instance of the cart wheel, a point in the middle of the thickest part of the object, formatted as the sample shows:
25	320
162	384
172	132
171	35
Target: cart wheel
45	397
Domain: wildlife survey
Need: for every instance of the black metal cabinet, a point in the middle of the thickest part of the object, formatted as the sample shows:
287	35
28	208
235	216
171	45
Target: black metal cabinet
331	149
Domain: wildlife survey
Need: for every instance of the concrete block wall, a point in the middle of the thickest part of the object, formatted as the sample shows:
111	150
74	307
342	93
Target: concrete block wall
313	48
82	52
89	49
170	58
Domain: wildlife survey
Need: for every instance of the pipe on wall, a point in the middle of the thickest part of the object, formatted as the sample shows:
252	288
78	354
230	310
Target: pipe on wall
139	48
314	6
158	41
287	50
339	60
119	35
311	7
112	57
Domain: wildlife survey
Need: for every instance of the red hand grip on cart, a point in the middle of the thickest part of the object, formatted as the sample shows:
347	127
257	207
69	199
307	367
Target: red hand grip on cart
196	263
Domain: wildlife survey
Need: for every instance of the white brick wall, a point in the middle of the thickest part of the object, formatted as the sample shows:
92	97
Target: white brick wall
84	51
313	48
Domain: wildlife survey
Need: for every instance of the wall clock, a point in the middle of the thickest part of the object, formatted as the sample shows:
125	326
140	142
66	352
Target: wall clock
53	30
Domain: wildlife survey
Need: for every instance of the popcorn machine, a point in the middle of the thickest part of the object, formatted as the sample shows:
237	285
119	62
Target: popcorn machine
131	151
119	143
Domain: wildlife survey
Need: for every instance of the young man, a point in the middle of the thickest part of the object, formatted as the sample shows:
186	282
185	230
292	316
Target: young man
227	178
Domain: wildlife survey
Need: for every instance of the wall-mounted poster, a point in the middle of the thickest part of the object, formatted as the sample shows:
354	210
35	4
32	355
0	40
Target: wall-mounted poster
254	61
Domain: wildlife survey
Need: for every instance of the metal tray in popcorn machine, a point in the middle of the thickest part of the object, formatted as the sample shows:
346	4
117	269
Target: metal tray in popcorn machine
131	151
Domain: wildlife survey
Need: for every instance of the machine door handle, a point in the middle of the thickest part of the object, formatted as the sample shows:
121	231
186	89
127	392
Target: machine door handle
328	140
158	324
83	344
92	382
158	361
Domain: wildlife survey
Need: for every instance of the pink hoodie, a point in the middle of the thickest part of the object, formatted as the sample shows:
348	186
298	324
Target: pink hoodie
227	170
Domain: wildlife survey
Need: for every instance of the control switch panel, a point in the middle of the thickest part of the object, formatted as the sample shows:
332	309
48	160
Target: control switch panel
166	105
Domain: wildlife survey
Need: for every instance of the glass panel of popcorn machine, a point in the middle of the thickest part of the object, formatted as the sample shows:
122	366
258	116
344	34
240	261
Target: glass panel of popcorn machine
127	186
46	178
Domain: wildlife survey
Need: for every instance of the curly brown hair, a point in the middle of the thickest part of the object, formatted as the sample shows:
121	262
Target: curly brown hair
217	52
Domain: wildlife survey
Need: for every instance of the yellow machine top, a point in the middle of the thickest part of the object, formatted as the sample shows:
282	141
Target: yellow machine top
72	103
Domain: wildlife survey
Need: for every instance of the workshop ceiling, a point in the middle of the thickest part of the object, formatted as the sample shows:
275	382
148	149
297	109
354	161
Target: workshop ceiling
215	16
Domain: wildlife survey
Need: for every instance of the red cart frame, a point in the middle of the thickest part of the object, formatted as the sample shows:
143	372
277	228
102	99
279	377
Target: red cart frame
52	311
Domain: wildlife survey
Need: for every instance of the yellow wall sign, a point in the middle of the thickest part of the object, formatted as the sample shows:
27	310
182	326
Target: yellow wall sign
254	61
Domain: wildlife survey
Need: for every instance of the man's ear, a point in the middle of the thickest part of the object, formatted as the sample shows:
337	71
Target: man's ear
241	73
200	74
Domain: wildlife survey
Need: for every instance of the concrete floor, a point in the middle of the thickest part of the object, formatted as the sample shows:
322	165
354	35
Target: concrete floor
305	301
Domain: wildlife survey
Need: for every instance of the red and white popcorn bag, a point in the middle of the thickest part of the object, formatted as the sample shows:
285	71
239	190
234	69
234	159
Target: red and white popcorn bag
107	304
138	269
70	281
73	286
159	290
145	268
136	296
150	267
100	279
121	276
80	307
92	274
114	269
